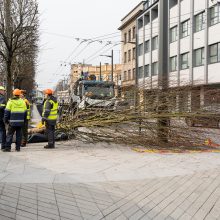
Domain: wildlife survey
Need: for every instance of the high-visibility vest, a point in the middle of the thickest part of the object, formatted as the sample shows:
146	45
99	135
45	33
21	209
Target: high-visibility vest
53	112
28	109
17	110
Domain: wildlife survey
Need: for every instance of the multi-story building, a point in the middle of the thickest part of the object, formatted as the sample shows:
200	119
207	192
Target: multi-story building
128	50
179	46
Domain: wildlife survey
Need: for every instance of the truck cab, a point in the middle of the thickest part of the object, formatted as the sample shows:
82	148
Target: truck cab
93	94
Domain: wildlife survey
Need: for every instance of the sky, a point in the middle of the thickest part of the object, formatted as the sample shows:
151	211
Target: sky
61	22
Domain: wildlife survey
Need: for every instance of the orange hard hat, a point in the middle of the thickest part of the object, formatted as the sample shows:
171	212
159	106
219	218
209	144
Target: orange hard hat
48	91
17	92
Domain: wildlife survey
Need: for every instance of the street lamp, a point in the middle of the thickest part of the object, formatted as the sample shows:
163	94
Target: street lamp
112	58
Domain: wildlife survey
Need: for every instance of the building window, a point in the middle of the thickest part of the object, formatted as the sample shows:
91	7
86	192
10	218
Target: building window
129	74
134	53
146	71
147	46
129	36
129	55
214	51
215	14
173	64
140	72
125	38
155	69
140	23
200	22
185	29
173	34
199	57
140	49
134	73
184	59
173	3
155	43
134	32
125	75
125	57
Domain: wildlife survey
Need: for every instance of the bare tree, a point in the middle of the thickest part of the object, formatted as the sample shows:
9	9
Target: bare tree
18	34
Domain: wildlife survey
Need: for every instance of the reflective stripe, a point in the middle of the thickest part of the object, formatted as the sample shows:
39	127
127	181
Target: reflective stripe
16	120
2	104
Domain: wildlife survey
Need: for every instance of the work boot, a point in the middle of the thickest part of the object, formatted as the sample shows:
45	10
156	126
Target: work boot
23	144
49	146
6	150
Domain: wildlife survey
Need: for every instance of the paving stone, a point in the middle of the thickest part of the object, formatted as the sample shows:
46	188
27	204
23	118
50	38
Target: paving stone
25	214
2	217
48	215
137	215
7	214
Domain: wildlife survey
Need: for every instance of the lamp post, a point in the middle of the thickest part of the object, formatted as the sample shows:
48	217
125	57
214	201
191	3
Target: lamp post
112	58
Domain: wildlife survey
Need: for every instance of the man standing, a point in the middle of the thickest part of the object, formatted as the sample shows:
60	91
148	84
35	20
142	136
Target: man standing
49	117
2	124
15	114
27	119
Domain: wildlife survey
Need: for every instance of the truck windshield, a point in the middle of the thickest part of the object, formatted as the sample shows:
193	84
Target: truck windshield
99	91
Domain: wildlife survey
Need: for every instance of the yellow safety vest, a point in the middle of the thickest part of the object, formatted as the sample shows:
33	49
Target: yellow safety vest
53	112
17	109
28	109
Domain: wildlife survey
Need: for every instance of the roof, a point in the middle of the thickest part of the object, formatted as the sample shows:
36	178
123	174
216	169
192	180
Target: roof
133	18
142	2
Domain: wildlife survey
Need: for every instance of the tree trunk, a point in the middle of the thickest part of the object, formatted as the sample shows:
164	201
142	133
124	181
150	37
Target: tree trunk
9	80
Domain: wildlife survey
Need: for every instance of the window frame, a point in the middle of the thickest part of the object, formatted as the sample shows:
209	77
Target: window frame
215	17
201	24
129	55
217	55
202	57
171	64
147	46
182	63
155	43
140	76
141	49
125	57
171	34
146	73
153	73
187	30
133	53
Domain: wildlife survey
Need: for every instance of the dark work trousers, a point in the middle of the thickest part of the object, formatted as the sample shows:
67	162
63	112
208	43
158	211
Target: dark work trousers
50	130
2	134
9	137
25	132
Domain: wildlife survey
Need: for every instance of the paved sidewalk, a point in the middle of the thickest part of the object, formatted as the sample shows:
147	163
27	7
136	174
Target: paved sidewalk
81	181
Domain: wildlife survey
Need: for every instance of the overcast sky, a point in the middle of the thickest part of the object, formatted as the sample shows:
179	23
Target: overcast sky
63	21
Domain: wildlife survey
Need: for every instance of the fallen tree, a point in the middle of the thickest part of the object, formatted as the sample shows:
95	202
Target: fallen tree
138	125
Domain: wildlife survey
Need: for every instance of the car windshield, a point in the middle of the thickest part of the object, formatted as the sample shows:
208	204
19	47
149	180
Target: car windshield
99	91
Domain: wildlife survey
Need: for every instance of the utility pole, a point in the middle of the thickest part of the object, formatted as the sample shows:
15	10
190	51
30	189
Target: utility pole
112	65
112	61
100	71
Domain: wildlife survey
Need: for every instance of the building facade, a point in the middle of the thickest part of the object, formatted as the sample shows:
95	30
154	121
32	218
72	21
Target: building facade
179	46
128	50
